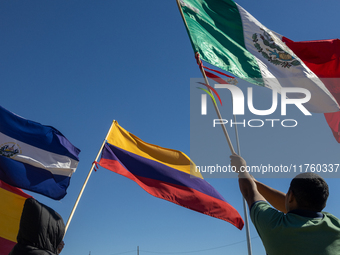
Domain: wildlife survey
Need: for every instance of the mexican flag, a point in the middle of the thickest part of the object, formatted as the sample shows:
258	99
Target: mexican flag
227	36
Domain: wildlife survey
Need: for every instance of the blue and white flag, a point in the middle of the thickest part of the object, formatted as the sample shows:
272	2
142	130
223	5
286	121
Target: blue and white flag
35	157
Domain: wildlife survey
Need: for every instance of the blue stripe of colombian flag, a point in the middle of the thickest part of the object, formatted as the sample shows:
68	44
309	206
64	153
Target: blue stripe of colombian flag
165	174
52	145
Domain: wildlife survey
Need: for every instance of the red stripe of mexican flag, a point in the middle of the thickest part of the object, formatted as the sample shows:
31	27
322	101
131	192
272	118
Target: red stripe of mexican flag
323	58
227	36
12	202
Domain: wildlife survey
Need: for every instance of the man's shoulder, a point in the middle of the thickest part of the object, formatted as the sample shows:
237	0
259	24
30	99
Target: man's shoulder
259	202
262	212
330	215
332	218
260	205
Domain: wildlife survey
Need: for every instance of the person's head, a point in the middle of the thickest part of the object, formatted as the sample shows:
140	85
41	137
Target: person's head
307	191
40	227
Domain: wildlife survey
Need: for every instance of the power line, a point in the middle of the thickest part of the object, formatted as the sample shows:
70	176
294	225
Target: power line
123	252
184	252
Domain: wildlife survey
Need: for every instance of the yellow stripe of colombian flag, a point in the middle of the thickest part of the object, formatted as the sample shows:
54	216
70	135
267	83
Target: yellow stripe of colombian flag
176	159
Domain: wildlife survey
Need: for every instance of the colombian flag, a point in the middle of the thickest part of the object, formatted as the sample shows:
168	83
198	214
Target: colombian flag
12	202
164	173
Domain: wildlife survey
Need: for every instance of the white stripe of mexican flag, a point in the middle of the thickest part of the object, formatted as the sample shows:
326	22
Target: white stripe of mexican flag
227	36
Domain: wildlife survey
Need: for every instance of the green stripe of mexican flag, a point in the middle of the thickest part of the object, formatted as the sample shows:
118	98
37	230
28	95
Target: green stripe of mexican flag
227	36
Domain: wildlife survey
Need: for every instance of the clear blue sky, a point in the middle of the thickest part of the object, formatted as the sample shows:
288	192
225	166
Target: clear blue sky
78	65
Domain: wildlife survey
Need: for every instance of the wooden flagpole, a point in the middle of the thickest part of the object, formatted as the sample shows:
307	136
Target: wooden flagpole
217	109
226	135
86	180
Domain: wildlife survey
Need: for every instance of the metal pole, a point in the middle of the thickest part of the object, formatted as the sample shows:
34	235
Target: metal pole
244	201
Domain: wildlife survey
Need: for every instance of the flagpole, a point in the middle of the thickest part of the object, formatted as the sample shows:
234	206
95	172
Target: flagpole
226	135
233	152
246	217
217	110
86	180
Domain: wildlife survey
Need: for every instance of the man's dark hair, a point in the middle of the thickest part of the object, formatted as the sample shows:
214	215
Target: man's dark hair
310	191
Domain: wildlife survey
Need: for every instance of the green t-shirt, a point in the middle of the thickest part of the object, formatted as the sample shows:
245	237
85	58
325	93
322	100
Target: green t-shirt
293	234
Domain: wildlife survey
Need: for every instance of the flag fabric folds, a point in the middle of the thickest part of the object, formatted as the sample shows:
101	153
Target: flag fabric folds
323	58
164	173
35	157
227	36
12	202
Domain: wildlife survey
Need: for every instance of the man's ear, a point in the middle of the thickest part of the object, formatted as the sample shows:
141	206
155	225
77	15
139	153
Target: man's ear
291	197
291	200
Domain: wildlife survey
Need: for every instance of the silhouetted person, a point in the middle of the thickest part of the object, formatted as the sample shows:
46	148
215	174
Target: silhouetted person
41	230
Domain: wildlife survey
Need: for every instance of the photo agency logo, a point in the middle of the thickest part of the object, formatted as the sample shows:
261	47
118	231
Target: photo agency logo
238	105
259	110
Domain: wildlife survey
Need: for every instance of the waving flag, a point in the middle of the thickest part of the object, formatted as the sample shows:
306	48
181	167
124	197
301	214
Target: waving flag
35	157
227	36
12	202
164	173
323	58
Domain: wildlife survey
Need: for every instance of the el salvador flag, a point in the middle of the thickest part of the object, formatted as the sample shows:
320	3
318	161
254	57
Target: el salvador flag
35	157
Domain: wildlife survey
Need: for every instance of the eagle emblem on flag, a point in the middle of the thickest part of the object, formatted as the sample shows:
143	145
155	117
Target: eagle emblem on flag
270	50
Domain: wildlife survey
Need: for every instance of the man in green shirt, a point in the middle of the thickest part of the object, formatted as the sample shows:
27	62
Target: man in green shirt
297	225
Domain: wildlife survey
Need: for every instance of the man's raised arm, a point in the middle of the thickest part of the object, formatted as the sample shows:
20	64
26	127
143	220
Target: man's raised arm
247	184
253	190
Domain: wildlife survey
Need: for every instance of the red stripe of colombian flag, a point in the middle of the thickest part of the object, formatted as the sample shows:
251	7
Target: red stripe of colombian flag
323	58
12	202
164	173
